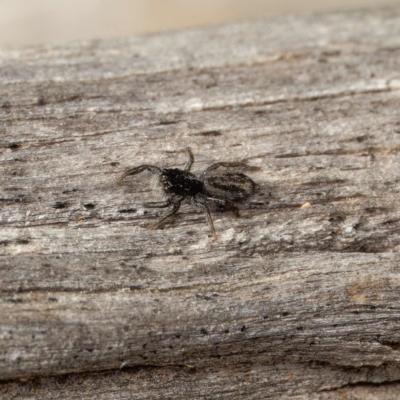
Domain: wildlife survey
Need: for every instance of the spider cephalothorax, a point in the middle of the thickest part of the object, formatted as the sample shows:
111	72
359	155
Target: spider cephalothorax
181	183
212	187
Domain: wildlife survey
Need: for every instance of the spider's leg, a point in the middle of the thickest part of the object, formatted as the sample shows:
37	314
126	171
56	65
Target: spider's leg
157	204
224	164
190	161
138	170
198	202
168	214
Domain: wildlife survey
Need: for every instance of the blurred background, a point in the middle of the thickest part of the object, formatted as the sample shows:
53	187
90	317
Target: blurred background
25	22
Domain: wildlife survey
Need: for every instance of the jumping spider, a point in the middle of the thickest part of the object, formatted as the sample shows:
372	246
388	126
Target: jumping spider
222	189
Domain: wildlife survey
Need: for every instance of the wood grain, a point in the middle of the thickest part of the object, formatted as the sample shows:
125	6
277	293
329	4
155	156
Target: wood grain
300	296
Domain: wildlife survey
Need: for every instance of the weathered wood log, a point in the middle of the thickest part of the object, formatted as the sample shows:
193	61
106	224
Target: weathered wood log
299	298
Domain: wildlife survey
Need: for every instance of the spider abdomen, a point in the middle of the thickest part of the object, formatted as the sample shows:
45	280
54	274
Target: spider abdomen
181	183
233	186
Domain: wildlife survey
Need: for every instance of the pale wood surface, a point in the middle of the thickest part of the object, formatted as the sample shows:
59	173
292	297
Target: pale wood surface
292	302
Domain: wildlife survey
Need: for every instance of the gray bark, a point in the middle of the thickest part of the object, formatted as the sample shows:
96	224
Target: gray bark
299	298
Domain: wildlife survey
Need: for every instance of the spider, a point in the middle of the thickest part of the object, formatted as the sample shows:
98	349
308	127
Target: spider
222	189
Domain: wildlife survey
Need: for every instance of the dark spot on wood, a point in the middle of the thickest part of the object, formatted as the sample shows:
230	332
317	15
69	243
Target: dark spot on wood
377	244
41	101
22	241
285	313
52	299
226	331
258	204
66	98
360	139
20	199
66	191
144	346
203	331
127	210
109	348
126	328
89	206
114	163
89	350
14	300
6	104
168	122
178	336
322	183
391	221
331	53
212	133
243	328
373	210
289	155
13	146
300	328
58	205
336	217
266	317
4	242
